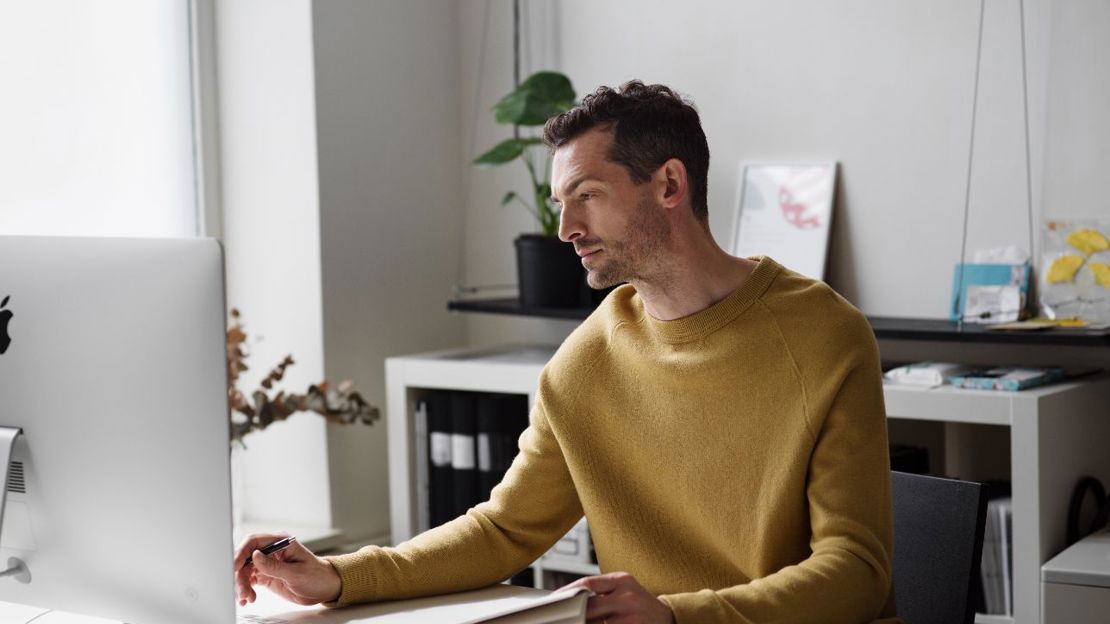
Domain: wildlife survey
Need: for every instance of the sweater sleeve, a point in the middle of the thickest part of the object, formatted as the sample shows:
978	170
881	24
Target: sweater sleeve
847	577
533	506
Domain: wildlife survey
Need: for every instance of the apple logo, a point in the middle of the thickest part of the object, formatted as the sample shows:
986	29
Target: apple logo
5	317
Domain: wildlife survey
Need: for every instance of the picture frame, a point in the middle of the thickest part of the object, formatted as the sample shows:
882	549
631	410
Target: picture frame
784	210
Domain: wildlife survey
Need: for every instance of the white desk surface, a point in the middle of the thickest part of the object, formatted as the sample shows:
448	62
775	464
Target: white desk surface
270	609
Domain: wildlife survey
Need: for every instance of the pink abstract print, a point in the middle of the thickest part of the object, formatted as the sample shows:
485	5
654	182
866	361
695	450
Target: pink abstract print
797	213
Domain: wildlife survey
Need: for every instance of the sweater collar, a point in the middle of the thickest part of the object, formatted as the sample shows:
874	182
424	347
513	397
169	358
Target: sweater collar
714	317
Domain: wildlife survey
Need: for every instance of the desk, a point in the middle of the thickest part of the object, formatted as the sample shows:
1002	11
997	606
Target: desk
270	609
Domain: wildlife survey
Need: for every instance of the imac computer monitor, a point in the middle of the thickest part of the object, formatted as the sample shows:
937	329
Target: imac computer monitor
113	367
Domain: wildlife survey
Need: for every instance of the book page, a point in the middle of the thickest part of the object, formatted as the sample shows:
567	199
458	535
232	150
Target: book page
490	604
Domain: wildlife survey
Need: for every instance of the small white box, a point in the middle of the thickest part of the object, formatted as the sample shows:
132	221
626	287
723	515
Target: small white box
1075	584
574	546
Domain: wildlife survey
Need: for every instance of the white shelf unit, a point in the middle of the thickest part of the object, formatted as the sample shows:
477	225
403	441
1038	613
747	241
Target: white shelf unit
1056	435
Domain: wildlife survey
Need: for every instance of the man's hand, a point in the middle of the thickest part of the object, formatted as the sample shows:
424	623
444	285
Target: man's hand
293	573
620	599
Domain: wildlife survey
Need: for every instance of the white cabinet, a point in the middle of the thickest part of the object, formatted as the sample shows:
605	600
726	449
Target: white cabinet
1055	434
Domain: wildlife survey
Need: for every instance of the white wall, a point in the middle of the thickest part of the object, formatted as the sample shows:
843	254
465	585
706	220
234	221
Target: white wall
1078	145
272	237
386	101
885	88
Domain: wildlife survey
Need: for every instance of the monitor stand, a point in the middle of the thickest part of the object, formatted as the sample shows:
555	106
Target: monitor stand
15	567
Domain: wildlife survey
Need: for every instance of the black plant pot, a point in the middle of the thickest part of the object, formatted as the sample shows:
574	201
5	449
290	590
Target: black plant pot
549	273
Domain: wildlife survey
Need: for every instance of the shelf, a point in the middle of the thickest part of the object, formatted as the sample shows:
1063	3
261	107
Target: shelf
512	307
973	406
939	330
885	327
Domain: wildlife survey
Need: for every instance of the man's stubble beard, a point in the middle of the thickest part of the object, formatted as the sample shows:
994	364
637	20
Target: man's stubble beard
638	255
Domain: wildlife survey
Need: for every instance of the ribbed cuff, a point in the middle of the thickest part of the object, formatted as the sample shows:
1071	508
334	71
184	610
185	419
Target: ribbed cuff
693	607
356	574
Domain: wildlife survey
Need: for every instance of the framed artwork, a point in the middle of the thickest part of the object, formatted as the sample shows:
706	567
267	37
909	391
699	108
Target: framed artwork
1075	270
785	212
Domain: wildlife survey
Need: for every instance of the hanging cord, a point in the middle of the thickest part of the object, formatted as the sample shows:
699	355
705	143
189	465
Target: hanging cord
1025	103
461	265
516	55
516	43
960	303
526	49
1102	513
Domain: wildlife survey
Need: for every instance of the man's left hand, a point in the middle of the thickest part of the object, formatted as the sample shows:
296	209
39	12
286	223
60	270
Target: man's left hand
620	599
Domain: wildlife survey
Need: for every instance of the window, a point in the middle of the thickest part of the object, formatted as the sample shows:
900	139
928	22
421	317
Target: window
96	121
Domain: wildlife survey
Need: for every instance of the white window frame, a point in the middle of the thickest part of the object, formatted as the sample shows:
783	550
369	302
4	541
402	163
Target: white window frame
205	104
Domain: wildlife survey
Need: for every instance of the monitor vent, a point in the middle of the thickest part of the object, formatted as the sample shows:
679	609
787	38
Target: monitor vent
16	482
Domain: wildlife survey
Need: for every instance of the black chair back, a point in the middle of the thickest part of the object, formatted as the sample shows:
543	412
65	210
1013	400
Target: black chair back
938	542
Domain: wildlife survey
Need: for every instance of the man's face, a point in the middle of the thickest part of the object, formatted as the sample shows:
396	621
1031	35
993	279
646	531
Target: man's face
616	225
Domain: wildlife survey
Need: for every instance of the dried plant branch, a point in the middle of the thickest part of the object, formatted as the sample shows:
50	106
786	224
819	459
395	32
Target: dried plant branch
341	405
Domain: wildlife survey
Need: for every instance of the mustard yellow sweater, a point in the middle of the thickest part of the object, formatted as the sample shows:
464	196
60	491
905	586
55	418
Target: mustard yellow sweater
734	462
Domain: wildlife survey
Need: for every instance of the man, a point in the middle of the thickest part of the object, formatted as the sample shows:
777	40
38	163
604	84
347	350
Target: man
718	420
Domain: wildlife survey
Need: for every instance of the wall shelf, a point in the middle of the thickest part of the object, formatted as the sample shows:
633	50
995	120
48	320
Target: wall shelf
885	327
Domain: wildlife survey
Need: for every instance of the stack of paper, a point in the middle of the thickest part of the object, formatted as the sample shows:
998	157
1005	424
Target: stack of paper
997	563
924	374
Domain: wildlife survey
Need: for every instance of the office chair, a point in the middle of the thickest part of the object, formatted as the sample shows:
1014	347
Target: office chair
938	541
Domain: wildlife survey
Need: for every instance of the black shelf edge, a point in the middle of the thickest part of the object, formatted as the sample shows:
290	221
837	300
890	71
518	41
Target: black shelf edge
512	307
940	330
885	327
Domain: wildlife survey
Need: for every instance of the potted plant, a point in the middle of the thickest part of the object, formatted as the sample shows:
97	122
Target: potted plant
549	272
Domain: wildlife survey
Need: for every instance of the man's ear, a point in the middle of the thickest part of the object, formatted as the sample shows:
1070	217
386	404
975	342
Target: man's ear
671	183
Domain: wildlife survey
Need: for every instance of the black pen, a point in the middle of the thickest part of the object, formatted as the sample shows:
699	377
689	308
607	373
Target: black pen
273	548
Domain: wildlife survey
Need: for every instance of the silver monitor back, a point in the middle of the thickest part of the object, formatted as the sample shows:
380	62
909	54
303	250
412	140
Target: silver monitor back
116	372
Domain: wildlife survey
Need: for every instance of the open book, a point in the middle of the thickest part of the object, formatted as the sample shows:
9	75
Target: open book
498	604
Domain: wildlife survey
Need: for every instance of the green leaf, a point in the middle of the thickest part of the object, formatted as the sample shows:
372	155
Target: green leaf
549	87
538	110
506	151
510	196
502	153
509	109
540	97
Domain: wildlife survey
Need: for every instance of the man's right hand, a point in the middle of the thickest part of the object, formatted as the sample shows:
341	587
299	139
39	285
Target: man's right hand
293	573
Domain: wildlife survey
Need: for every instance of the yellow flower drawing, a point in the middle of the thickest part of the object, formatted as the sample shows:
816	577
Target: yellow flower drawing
1102	273
1063	269
1088	241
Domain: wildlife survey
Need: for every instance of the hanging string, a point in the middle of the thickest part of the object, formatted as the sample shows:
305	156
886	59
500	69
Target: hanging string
516	55
959	302
526	39
476	107
1025	102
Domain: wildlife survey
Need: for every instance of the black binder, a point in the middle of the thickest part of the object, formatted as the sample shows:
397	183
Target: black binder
440	481
464	451
489	444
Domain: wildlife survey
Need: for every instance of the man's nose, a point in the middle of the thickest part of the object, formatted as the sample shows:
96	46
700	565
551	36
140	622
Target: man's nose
570	229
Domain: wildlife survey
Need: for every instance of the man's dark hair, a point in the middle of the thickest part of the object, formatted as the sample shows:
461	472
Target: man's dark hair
651	124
